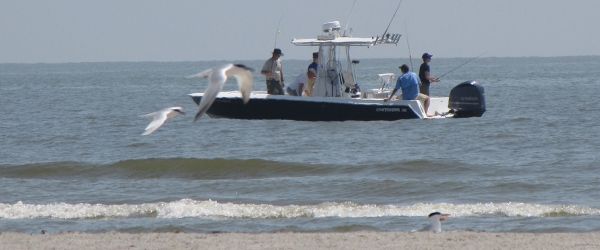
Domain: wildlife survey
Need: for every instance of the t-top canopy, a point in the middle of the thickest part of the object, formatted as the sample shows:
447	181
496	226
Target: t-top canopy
332	38
337	41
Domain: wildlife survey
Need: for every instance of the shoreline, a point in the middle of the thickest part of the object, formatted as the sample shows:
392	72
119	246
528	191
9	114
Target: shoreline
292	240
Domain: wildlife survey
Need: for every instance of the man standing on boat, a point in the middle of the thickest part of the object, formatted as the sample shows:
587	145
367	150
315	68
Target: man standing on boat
311	81
273	71
315	63
426	79
409	83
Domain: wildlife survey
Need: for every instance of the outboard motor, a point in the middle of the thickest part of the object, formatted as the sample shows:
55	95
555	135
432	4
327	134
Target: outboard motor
467	100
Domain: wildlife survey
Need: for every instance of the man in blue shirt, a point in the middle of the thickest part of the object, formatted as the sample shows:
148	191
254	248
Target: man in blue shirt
315	63
312	80
409	83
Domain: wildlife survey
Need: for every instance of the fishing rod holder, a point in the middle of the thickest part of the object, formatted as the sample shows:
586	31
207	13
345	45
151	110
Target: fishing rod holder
388	39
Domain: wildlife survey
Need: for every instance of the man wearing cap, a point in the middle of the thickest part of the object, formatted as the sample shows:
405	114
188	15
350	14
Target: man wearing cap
314	66
315	62
409	83
424	70
273	71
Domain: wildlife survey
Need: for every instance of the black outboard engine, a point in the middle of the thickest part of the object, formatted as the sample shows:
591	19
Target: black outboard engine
467	100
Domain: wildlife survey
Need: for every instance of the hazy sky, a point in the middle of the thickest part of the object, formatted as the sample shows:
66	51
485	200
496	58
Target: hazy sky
51	31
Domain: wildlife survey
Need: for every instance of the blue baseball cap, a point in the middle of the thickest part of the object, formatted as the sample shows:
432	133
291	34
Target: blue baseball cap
427	55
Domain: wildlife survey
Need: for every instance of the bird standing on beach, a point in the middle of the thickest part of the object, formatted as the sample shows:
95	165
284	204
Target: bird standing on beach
216	79
435	220
160	117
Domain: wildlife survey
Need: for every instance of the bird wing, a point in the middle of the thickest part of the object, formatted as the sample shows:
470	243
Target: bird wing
159	118
151	115
216	80
205	73
244	79
426	228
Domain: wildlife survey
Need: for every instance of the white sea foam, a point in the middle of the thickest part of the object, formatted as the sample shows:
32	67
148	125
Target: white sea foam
213	209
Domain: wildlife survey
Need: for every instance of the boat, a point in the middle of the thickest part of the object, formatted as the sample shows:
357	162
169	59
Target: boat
337	96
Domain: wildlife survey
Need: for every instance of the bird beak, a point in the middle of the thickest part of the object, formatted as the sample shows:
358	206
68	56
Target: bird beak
444	215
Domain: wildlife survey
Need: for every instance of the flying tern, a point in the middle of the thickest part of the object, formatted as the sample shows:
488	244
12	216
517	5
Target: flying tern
216	79
160	117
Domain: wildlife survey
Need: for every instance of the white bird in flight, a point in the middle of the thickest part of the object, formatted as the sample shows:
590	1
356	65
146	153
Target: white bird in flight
216	79
160	117
435	220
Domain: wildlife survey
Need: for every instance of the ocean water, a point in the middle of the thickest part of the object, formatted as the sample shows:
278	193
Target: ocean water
72	157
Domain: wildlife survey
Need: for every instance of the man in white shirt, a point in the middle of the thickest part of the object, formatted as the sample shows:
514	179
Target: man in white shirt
300	83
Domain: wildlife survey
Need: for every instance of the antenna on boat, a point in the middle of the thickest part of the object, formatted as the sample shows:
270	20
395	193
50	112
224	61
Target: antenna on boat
409	54
348	23
461	65
386	29
277	32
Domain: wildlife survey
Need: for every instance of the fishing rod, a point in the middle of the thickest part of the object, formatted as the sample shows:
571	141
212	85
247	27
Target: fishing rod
409	54
461	65
347	24
277	32
386	29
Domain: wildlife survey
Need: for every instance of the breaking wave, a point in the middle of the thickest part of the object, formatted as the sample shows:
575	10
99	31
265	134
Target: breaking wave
214	210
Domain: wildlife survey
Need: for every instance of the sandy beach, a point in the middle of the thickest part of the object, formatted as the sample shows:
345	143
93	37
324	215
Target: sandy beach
289	240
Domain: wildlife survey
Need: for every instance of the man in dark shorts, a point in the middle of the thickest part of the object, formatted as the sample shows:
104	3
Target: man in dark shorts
424	76
273	71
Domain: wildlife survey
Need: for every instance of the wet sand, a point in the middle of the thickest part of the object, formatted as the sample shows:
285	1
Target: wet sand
288	240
